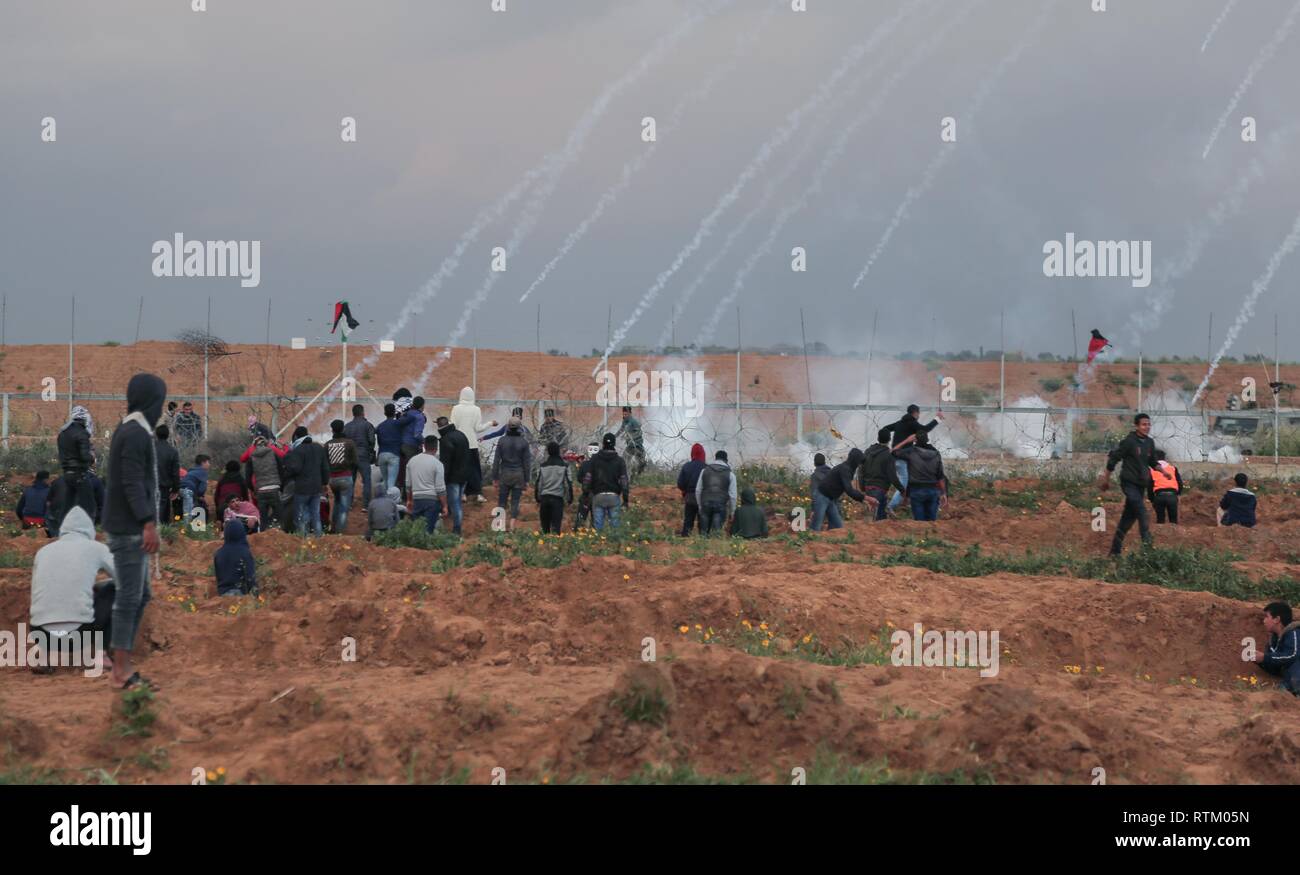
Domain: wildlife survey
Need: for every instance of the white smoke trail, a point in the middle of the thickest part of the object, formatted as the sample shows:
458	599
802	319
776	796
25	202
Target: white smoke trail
547	172
1218	21
532	211
833	154
1248	305
765	152
632	168
937	163
1265	55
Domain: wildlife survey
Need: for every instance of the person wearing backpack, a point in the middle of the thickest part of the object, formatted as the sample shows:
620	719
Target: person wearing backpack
715	493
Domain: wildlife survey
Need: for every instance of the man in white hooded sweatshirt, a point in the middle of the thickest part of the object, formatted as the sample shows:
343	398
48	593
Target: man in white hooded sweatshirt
468	419
65	598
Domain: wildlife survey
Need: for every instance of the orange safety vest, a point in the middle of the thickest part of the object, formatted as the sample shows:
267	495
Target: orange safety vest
1164	476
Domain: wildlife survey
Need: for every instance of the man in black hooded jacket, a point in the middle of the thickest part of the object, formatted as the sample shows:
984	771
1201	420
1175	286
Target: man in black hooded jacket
130	517
879	472
838	482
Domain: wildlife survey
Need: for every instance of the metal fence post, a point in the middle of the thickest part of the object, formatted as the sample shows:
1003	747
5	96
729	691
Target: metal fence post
4	421
798	423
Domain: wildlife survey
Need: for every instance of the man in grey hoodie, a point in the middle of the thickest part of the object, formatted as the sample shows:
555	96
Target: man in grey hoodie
65	597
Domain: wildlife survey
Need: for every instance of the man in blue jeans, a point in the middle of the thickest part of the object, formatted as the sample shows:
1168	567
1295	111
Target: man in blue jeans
1137	453
836	483
308	468
607	482
425	485
927	485
455	457
909	425
388	436
130	518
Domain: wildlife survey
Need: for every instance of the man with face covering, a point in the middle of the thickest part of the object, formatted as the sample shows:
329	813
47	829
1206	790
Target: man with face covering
130	517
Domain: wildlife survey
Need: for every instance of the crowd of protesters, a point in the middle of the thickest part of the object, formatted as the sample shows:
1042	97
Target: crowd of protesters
304	486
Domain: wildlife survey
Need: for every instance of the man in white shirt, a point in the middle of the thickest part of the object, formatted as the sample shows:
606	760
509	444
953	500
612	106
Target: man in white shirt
426	484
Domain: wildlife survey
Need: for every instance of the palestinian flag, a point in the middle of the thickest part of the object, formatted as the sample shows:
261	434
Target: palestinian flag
1097	345
341	311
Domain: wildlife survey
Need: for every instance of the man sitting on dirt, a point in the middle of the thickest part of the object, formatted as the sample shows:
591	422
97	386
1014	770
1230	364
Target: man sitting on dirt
65	598
1166	486
1138	453
879	471
383	515
750	520
838	482
715	493
1238	505
1281	658
32	503
233	563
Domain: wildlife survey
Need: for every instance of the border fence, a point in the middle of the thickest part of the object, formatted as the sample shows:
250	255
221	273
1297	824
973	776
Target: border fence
758	431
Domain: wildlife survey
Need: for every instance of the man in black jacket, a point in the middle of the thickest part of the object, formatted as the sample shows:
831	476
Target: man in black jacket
169	473
75	458
838	482
130	517
607	482
454	454
905	428
362	434
1137	452
879	471
927	485
307	466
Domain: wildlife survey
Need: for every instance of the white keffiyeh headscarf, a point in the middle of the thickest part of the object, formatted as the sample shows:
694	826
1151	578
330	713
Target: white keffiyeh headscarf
82	414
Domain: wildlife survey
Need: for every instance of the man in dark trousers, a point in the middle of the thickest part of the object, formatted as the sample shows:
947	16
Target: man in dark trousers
454	454
1137	452
362	434
75	458
308	468
687	479
1166	486
909	425
879	471
169	473
130	517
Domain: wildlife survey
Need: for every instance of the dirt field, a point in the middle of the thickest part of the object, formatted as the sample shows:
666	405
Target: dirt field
539	670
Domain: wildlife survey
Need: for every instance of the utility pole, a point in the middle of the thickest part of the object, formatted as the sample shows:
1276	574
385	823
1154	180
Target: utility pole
806	371
72	339
738	377
1074	332
1277	402
604	408
871	352
268	322
1209	341
139	314
1002	384
207	348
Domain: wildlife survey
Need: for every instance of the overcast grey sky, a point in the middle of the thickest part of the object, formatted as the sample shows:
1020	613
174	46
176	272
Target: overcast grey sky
225	125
